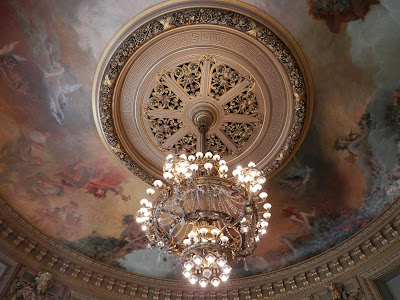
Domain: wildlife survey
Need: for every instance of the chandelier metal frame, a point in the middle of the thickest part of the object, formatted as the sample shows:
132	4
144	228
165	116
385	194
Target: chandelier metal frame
201	216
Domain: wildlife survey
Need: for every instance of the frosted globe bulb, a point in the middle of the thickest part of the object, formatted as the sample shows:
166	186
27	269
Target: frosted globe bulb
214	231
208	166
203	282
267	215
197	259
251	164
191	158
261	180
187	273
215	282
222	162
186	242
193	279
210	258
221	262
188	265
194	167
150	191
226	269
169	157
158	183
267	206
144	227
208	155
224	277
216	157
203	230
183	156
199	154
144	201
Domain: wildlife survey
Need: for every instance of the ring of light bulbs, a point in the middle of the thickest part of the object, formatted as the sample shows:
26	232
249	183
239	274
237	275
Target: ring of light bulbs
204	236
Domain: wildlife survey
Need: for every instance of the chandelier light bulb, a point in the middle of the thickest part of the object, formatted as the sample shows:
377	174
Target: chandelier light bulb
215	282
158	183
193	279
208	155
167	175
203	230
150	191
191	158
267	206
169	157
192	235
223	168
215	231
222	162
208	166
261	180
251	165
256	188
188	174
144	227
257	238
224	239
264	224
188	265
210	258
168	166
194	167
199	154
144	211
221	262
235	172
183	156
227	269
263	196
216	157
224	277
187	242
197	259
263	231
203	282
267	215
187	273
144	201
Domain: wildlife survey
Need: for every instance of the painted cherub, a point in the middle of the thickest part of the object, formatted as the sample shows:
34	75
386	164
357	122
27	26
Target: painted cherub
304	227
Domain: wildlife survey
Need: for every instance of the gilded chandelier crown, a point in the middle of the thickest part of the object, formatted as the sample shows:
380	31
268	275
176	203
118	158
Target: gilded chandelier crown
203	217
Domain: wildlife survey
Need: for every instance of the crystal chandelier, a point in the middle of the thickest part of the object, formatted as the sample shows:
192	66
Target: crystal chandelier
206	219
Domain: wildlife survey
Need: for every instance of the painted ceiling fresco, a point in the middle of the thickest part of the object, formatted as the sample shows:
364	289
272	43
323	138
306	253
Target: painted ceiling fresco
56	172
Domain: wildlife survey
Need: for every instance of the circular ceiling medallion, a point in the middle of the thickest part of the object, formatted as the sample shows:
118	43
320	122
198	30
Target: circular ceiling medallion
242	75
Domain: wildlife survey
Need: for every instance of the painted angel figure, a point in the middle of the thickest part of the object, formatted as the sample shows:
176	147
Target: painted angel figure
304	227
60	95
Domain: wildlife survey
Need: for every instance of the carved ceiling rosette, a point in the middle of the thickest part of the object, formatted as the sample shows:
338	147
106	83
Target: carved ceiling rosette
244	69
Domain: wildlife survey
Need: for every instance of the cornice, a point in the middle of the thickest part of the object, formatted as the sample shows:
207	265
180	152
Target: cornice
357	255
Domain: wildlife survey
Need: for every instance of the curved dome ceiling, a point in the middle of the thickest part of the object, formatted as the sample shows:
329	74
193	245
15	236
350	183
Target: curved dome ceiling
57	174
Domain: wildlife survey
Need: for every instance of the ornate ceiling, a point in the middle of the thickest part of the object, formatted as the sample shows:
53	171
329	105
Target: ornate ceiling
78	179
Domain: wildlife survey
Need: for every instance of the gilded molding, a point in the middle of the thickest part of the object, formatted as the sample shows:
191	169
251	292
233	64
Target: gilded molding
367	254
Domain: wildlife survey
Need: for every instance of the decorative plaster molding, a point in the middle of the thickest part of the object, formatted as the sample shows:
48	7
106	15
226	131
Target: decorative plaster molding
360	254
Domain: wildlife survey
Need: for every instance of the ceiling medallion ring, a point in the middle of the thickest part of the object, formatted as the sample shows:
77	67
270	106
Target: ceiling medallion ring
302	96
